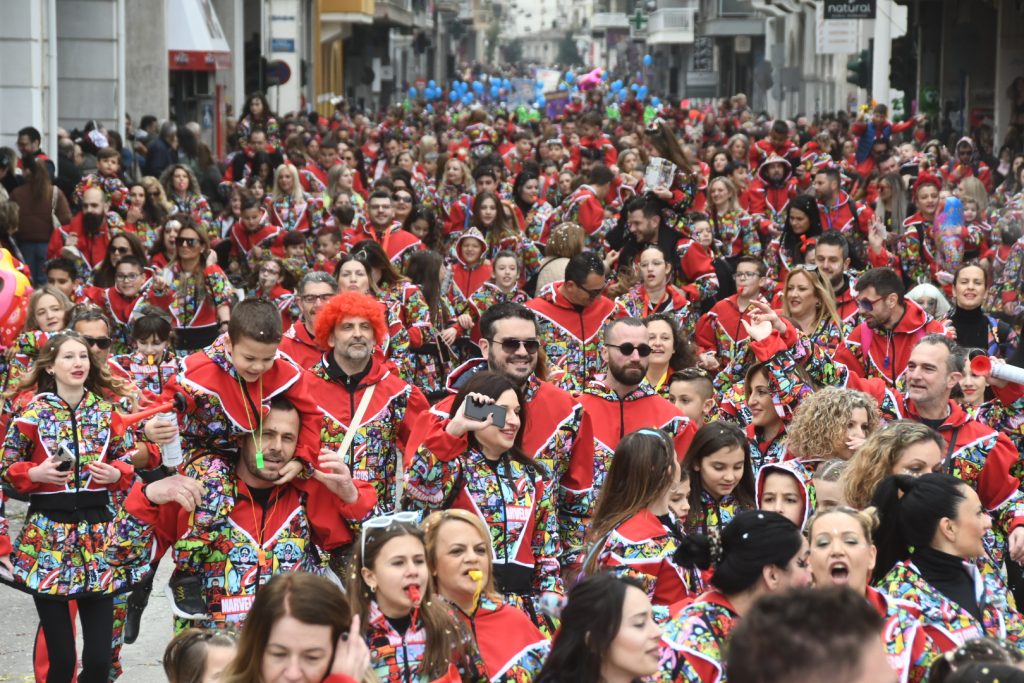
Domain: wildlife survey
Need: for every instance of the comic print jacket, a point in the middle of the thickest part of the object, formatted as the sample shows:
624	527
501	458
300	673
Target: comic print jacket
693	641
513	649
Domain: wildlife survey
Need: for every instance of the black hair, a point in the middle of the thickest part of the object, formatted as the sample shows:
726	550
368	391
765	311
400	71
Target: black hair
884	281
152	323
910	509
485	170
683	354
31	133
87	312
504	311
524	176
834	238
753	540
780	127
805	634
62	263
582	265
422	269
600	175
708	440
651	208
986	673
590	622
131	260
807	204
832	173
344	214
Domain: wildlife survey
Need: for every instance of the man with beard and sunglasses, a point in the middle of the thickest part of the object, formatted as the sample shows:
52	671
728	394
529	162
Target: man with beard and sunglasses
86	238
624	401
557	432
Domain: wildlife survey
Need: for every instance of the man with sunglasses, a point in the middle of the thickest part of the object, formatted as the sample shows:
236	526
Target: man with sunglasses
891	326
570	315
623	401
557	432
231	524
383	229
299	342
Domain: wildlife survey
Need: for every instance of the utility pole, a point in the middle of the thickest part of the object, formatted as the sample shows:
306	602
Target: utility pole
880	85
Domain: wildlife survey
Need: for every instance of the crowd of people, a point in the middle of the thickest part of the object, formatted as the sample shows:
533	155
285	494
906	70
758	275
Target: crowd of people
640	392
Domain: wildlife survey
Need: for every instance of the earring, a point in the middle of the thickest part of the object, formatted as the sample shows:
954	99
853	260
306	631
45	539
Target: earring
373	589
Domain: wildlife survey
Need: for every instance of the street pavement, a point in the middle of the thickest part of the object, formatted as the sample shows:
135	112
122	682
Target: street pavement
141	660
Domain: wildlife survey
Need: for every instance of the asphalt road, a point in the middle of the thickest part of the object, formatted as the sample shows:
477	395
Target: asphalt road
18	619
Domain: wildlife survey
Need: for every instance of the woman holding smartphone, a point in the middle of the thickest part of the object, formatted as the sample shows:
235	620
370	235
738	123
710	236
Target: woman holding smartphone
68	450
477	464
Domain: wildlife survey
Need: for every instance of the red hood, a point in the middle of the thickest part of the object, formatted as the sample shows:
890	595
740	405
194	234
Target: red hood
914	318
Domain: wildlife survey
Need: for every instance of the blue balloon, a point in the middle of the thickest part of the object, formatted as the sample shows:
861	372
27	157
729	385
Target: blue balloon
495	91
505	83
541	101
634	87
478	86
432	83
648	60
467	98
412	93
563	86
569	77
430	108
623	94
616	86
540	84
655	102
605	75
453	96
642	92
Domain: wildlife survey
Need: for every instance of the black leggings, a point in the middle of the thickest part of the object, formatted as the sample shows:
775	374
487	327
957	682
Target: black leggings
97	617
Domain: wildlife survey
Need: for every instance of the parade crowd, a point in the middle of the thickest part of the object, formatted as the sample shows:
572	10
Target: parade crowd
462	392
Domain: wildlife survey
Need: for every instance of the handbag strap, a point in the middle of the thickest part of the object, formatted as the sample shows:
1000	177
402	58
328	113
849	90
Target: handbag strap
357	420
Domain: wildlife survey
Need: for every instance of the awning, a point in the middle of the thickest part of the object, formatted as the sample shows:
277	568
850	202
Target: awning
195	40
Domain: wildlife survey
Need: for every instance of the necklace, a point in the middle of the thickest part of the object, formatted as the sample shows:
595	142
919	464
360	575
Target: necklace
246	400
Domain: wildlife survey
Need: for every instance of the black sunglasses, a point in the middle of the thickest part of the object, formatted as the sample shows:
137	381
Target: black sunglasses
628	348
512	345
98	342
186	241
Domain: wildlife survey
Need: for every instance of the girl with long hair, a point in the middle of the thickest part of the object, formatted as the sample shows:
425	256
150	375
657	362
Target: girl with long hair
757	553
532	212
121	244
932	531
412	634
435	358
460	559
687	181
40	205
165	248
721	477
608	635
197	295
455	183
831	423
68	450
655	292
256	113
301	627
145	212
497	224
289	207
733	227
799	232
670	350
809	302
892	205
902	447
182	189
479	465
633	532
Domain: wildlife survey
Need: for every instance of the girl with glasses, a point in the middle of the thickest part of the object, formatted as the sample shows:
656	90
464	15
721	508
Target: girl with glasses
69	451
478	465
412	635
121	245
459	556
276	283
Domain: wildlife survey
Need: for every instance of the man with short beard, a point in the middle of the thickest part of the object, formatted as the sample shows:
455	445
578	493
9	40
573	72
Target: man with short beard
232	526
367	410
383	229
557	432
624	401
314	291
86	238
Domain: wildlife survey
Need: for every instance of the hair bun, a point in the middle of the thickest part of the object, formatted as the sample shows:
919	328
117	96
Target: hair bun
694	551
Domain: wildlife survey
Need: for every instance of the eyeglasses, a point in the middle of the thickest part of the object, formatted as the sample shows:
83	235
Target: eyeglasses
98	342
123	251
867	304
403	199
270	271
628	348
384	522
593	293
314	298
186	241
127	277
746	276
512	345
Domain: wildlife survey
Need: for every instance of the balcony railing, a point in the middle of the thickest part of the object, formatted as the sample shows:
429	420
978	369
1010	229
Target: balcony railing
604	21
672	25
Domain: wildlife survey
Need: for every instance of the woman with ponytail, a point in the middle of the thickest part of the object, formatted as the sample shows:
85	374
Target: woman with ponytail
932	528
759	552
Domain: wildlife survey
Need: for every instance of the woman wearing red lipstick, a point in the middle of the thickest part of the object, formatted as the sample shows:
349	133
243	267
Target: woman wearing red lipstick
992	401
413	636
68	450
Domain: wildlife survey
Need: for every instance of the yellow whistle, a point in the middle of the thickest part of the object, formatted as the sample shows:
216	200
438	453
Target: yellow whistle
475	574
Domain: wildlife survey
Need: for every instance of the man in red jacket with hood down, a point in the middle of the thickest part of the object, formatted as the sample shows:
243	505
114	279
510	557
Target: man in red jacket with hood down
570	315
299	342
623	401
86	238
557	432
892	325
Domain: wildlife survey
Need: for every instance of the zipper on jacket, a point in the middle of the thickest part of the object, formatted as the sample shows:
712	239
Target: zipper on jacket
407	675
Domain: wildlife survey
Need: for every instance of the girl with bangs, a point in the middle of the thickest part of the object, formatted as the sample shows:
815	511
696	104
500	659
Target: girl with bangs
291	208
721	477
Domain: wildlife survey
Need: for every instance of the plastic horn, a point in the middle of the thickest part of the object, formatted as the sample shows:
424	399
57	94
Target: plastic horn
177	404
983	365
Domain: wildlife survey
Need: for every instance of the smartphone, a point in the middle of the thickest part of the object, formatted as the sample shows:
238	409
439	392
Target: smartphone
480	411
65	459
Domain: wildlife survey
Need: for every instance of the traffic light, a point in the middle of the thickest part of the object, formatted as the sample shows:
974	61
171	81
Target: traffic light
903	66
253	65
859	70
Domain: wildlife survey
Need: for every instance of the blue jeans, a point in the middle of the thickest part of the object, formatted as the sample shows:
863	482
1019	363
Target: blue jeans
35	259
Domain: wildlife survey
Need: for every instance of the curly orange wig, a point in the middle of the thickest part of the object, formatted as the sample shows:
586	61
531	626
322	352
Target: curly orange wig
350	305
